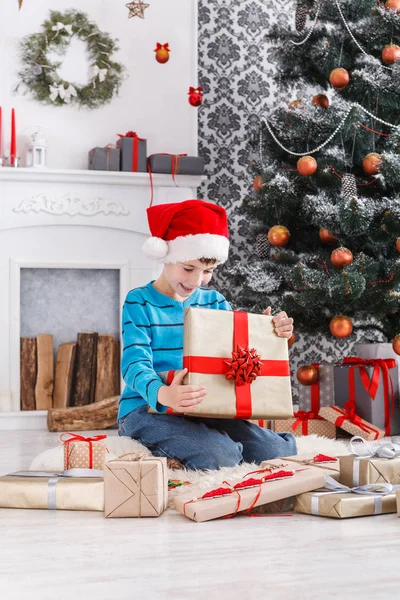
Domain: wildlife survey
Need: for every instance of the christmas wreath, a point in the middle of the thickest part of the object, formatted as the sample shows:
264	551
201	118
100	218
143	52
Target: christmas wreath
39	74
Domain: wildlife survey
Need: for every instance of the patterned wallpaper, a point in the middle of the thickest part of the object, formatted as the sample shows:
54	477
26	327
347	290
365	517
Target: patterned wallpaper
237	78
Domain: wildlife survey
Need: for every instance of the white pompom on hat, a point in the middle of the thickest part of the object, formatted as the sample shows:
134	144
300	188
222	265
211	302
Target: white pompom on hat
187	230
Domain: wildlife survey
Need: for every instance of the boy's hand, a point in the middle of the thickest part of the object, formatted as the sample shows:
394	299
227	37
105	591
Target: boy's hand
181	398
282	323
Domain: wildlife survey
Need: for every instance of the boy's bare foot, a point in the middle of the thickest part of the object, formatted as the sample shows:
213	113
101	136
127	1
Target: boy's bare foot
174	464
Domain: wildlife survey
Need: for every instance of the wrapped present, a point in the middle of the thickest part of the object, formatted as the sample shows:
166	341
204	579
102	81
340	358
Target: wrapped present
341	502
328	464
347	419
263	423
74	489
84	452
278	479
373	385
245	369
370	464
176	164
321	393
133	155
378	351
305	423
135	486
398	502
104	159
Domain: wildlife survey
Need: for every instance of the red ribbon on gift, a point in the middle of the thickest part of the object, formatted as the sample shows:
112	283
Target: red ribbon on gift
221	366
135	149
175	161
162	47
348	413
303	416
380	366
80	438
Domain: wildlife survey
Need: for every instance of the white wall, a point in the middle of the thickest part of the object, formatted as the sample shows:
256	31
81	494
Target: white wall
153	98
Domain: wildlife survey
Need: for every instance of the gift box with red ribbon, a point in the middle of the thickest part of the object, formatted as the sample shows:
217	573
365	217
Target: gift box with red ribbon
372	386
244	367
133	155
305	423
176	164
104	159
347	419
321	393
84	452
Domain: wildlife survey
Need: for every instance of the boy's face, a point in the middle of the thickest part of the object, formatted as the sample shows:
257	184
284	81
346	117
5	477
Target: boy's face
185	277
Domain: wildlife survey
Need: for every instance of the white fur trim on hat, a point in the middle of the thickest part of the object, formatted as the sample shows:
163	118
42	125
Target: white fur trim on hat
193	247
155	247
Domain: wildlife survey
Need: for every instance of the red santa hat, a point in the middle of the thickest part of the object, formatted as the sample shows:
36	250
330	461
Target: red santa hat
187	230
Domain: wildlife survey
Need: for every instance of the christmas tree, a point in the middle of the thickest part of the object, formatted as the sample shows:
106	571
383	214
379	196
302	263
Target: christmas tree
324	214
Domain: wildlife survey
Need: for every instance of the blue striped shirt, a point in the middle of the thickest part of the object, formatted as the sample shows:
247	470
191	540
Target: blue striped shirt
152	337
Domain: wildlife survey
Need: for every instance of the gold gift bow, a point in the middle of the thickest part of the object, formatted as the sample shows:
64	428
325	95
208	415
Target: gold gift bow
388	450
54	478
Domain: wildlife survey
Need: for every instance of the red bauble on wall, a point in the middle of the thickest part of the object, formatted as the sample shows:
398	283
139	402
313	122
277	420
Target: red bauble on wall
195	96
393	5
341	326
341	257
278	235
321	100
307	165
326	237
371	163
162	53
339	78
396	344
391	54
307	375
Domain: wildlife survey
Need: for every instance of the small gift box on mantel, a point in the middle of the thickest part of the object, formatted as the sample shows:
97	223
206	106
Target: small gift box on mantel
82	452
104	159
133	155
176	164
245	368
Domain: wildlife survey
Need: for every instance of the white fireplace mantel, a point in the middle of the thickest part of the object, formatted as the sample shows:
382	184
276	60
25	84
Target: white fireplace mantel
70	219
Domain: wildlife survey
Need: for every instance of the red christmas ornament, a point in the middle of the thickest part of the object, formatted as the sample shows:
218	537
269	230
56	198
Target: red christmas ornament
278	235
291	340
307	165
341	257
393	5
341	326
396	344
391	54
371	163
398	245
245	365
307	375
339	78
326	237
195	96
258	183
162	53
321	100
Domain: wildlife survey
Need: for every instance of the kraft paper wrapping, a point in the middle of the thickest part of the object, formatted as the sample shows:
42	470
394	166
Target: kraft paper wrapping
77	455
304	479
356	470
330	414
398	502
135	487
51	492
344	506
326	385
209	333
316	426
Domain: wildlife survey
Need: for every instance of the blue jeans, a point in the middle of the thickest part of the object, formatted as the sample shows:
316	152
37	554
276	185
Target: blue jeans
200	443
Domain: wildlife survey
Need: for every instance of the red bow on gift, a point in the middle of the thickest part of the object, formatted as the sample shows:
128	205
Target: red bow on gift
80	438
348	413
162	47
303	416
132	134
245	365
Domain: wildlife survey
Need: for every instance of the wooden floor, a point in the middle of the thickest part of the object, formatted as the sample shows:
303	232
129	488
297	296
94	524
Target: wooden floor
55	555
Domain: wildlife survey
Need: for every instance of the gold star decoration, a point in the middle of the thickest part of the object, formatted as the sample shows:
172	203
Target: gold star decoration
136	9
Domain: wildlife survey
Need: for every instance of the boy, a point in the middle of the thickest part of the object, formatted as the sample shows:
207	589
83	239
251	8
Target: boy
191	239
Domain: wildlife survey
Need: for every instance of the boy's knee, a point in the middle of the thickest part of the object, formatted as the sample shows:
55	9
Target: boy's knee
287	446
225	453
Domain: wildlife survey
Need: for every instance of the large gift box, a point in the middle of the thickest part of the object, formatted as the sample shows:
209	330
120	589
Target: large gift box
321	393
383	350
75	489
371	464
278	479
176	164
133	155
305	423
341	502
347	419
372	384
135	486
245	368
104	159
82	452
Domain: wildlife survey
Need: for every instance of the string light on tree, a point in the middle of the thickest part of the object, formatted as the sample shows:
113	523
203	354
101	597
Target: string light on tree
321	100
278	235
258	183
339	78
371	163
398	245
326	237
341	257
341	326
391	54
307	166
307	375
396	344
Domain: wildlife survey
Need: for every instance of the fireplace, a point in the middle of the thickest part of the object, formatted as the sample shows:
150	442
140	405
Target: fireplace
69	220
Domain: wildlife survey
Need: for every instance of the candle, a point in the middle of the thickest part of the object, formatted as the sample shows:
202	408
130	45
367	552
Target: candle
13	146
